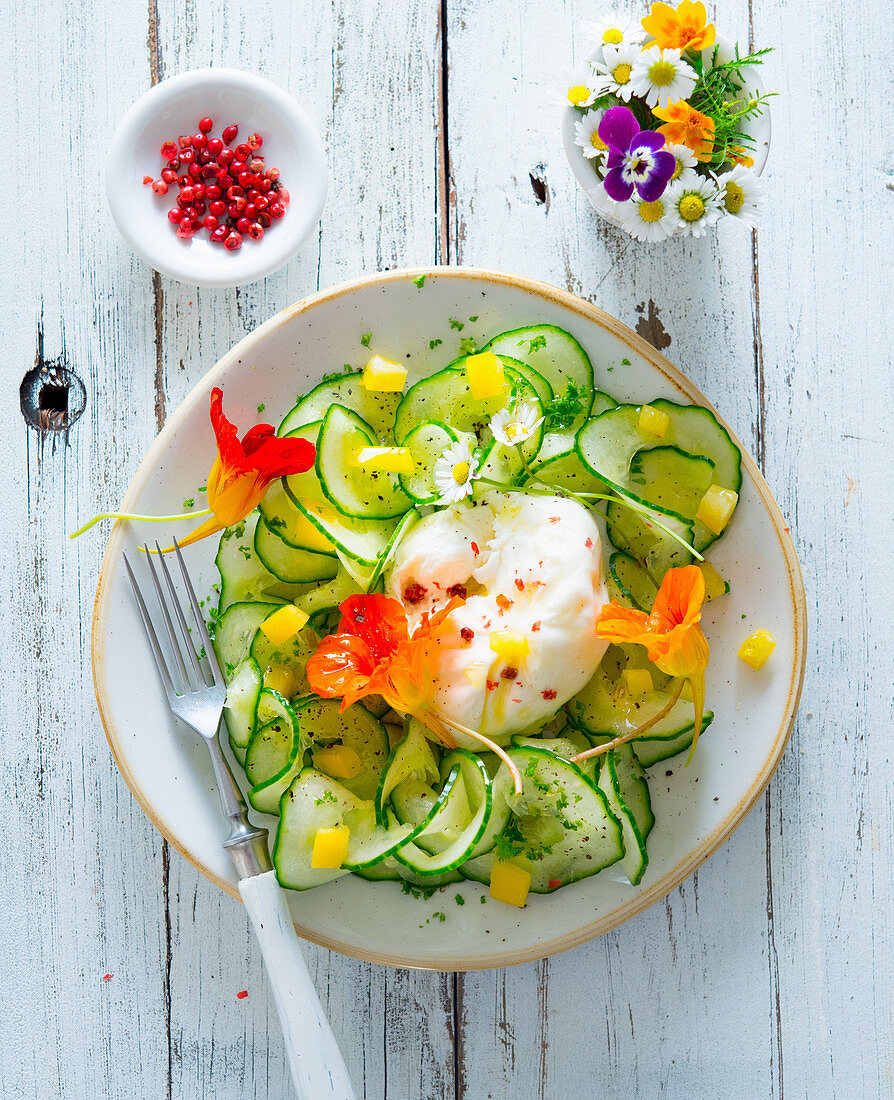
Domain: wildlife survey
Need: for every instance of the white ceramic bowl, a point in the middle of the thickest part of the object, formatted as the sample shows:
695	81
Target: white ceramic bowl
173	107
169	770
585	172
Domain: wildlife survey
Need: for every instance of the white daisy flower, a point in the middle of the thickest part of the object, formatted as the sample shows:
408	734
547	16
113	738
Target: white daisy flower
586	134
578	88
661	77
455	471
740	194
616	70
695	205
686	162
514	427
648	221
614	30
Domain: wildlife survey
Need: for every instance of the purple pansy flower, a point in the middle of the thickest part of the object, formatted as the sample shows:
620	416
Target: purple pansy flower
636	158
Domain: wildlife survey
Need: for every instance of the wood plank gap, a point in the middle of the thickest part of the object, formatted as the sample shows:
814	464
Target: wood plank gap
444	190
154	48
166	897
761	419
773	955
459	1072
160	396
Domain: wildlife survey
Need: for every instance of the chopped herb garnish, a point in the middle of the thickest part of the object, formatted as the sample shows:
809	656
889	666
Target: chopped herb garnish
472	320
459	899
189	502
432	344
365	339
484	899
467	346
328	796
418	892
534	344
441	916
625	362
202	489
419	281
275	521
458	325
245	551
563	409
261	408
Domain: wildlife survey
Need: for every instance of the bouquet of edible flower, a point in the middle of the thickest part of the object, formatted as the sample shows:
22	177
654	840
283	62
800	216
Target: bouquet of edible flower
664	118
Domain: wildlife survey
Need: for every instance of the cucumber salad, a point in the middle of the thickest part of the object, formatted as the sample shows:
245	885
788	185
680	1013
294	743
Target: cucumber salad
416	682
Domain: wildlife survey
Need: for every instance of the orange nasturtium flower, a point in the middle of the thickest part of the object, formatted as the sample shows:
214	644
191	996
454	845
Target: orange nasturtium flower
374	653
687	28
684	125
671	633
244	469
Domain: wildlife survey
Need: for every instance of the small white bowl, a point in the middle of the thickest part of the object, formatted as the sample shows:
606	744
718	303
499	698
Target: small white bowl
585	173
174	107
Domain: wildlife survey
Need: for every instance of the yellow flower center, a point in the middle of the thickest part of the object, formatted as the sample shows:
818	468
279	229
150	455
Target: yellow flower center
651	211
578	94
621	73
512	432
461	473
613	37
597	142
733	197
678	171
691	208
662	73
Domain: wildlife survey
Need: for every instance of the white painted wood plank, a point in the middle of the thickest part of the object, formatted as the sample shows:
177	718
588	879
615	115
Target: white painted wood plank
351	68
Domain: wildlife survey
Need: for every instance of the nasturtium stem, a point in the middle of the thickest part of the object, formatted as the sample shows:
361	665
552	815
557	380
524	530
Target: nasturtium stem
133	515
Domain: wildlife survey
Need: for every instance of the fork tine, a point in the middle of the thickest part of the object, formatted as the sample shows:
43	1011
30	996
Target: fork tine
169	626
181	621
210	655
150	631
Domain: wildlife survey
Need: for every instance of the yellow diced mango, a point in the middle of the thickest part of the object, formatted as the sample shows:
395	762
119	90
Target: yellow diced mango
715	585
511	645
330	847
283	624
281	679
638	681
756	648
383	376
716	507
339	761
653	422
485	375
510	884
391	460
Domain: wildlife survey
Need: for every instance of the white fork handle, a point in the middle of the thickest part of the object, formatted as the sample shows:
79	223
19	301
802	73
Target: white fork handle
318	1069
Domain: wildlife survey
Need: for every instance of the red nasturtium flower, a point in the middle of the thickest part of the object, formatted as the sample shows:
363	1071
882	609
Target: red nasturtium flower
373	653
244	469
671	633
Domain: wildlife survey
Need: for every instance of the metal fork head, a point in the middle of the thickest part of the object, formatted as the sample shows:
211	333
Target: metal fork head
192	678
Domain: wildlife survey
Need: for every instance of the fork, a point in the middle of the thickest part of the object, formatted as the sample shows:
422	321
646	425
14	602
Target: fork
318	1069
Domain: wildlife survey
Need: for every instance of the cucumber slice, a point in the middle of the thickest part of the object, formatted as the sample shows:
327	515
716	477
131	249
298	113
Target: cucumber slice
608	443
329	594
561	829
457	821
269	751
405	525
635	532
410	758
624	785
236	630
288	563
243	576
362	540
312	802
266	797
603	709
534	378
569	744
560	441
363	494
553	353
292	655
291	524
427	442
446	397
671	479
376	408
241	704
566	471
631	582
323	721
651	751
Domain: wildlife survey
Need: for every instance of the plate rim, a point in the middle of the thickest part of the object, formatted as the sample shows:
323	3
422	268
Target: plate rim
675	875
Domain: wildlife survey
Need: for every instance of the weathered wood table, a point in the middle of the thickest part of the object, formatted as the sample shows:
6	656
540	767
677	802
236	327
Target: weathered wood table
770	972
